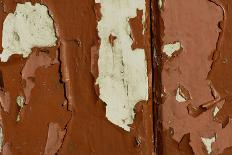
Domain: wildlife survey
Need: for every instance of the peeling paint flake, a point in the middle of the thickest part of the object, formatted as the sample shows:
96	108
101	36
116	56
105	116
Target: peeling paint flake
179	96
169	49
216	110
160	3
54	140
20	101
29	26
208	143
122	76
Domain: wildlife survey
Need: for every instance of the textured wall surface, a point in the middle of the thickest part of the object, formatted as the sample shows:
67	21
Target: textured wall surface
195	92
76	77
120	77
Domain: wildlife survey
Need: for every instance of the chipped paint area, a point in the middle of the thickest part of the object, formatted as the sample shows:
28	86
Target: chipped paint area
29	26
216	110
122	80
160	3
208	143
179	96
169	49
20	102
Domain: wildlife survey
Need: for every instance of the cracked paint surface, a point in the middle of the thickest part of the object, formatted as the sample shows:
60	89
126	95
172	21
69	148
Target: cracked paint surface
190	68
73	122
61	112
33	99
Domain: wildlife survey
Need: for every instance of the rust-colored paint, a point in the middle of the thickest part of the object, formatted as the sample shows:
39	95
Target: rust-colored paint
63	114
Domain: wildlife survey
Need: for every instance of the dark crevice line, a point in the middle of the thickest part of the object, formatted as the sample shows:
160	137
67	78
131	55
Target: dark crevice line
156	43
66	98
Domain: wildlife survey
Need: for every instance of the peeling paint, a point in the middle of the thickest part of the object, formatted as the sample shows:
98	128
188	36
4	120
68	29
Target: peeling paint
160	3
122	77
216	110
169	49
29	26
179	96
20	101
208	143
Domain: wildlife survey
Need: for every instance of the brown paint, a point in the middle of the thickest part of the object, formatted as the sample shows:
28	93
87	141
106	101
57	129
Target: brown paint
58	84
137	31
190	23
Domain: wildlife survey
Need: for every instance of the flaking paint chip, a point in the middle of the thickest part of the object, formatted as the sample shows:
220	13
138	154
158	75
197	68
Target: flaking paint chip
169	49
179	96
216	110
160	3
208	143
29	26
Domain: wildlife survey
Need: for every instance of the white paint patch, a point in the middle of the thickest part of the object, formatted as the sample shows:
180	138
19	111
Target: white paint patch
20	101
30	26
216	110
122	80
208	143
160	3
179	97
169	49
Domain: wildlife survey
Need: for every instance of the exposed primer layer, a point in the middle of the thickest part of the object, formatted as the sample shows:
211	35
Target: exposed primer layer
179	96
208	143
169	49
160	3
20	101
29	26
216	110
122	77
